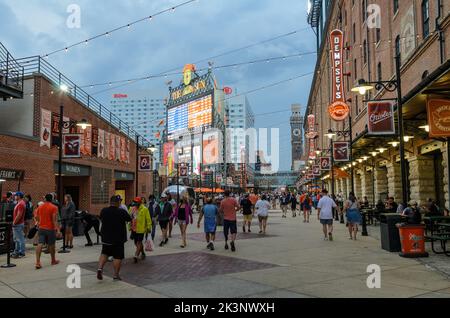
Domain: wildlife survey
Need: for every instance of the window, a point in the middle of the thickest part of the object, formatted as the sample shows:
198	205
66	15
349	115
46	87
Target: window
395	6
355	71
378	35
364	10
379	72
426	18
397	46
365	52
354	33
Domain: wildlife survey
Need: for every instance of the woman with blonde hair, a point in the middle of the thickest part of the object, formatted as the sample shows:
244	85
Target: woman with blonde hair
67	219
183	216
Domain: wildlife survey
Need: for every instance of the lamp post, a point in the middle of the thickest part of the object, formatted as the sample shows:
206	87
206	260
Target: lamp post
392	86
64	125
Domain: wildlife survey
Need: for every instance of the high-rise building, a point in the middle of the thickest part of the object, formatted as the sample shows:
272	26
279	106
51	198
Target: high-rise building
144	113
296	136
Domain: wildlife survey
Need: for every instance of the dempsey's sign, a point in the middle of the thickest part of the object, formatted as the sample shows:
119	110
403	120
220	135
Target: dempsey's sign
338	109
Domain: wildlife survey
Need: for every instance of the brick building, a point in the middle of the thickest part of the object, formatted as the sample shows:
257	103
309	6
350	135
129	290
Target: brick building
91	179
419	32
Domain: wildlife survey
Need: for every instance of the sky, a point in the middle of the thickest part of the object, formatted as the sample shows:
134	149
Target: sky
197	31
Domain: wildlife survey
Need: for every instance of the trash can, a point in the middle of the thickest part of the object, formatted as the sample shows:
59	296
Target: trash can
390	238
78	227
412	240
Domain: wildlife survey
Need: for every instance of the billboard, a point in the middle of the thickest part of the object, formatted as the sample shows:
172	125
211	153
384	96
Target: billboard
169	157
190	115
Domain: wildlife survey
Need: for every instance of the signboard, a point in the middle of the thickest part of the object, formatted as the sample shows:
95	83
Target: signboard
183	171
438	111
169	157
312	133
325	163
219	178
341	151
380	118
123	176
230	181
72	146
316	170
72	170
145	163
5	234
120	96
46	123
190	115
9	174
312	152
338	110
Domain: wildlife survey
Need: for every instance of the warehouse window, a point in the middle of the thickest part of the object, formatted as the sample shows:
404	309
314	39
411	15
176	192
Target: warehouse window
426	18
397	46
395	6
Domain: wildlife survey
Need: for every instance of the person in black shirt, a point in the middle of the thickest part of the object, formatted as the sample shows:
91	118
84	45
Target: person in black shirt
247	211
90	221
114	236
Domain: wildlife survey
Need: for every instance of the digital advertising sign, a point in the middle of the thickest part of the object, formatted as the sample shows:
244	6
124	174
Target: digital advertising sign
190	115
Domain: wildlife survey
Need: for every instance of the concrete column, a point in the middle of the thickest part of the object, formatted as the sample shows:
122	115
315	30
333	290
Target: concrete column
358	191
421	178
394	180
445	165
367	185
381	183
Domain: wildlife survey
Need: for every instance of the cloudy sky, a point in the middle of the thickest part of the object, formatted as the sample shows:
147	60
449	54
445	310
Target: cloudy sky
197	31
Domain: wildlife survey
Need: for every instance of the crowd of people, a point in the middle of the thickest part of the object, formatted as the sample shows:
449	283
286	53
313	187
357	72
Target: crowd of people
48	220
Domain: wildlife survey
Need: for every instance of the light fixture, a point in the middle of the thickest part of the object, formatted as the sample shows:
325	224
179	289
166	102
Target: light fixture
311	161
365	158
64	88
425	127
152	148
374	153
349	165
83	124
354	163
381	150
393	143
330	134
318	152
2	180
407	138
362	87
359	160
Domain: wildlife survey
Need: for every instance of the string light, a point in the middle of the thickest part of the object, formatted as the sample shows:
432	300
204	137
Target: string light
172	9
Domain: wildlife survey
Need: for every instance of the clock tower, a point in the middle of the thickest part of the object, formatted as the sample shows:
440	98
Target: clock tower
296	136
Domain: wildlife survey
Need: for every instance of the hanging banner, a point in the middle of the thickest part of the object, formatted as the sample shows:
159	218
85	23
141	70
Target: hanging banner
169	157
210	150
380	118
106	145
46	123
117	148
55	130
71	145
101	144
341	151
94	141
123	150
66	128
316	170
312	133
128	152
145	163
338	110
86	141
325	163
112	147
438	111
312	152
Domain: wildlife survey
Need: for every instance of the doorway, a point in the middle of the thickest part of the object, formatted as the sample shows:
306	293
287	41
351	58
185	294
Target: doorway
75	193
439	178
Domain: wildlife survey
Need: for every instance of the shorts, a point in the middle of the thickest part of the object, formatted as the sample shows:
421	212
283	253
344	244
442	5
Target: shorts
229	225
182	222
248	217
47	236
163	224
137	237
67	223
326	221
261	218
117	251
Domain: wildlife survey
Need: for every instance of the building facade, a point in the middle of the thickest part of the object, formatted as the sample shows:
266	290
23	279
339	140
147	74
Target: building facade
296	122
29	142
144	112
375	33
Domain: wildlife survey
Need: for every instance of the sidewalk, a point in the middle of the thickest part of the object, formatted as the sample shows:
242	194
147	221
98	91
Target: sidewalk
293	260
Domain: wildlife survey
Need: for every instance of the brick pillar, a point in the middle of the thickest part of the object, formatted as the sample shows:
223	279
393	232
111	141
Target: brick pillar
343	183
358	192
381	182
367	185
394	181
421	179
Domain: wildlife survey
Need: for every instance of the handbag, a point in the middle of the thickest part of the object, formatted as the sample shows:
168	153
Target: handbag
149	246
32	232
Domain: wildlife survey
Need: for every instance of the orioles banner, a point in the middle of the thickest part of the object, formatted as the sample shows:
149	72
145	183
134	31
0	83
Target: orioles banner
338	109
438	111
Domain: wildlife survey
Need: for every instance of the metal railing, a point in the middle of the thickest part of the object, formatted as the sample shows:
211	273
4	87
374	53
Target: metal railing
11	72
35	65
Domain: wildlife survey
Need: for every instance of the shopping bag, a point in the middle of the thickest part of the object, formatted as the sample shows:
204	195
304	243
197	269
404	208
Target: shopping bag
149	246
32	232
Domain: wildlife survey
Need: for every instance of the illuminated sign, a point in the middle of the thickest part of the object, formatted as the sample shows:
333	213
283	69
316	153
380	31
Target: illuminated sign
191	115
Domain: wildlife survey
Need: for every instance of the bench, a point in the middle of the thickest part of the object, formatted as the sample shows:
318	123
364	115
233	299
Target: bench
440	232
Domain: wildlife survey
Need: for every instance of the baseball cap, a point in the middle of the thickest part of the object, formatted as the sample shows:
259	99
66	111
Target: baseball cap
163	195
20	194
115	199
137	200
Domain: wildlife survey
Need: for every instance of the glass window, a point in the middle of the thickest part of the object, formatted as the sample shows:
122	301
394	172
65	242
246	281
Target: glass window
426	18
395	6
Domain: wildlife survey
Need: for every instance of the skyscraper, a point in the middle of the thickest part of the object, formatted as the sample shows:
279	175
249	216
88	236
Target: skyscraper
296	136
144	113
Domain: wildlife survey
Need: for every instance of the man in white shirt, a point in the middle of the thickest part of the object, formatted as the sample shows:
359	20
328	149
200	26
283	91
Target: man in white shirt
325	214
262	210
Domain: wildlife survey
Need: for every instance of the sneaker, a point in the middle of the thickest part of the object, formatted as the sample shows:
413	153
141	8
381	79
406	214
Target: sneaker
226	246
161	244
212	247
330	236
100	274
166	240
116	278
325	238
88	244
21	256
209	245
260	232
249	230
14	256
233	248
110	259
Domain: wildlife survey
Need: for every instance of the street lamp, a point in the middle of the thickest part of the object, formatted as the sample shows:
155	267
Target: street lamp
64	125
392	86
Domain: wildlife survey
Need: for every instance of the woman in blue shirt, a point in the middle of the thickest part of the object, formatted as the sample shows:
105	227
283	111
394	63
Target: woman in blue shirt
209	211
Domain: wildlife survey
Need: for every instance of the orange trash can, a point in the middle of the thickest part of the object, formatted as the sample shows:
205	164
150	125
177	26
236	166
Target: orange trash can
412	238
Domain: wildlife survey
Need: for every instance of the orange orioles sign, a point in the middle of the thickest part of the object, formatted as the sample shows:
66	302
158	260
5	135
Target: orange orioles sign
338	109
439	117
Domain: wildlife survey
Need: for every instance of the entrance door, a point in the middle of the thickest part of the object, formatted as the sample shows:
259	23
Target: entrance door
122	195
75	193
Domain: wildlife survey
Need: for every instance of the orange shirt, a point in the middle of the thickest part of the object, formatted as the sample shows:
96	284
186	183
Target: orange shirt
228	206
45	214
253	198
